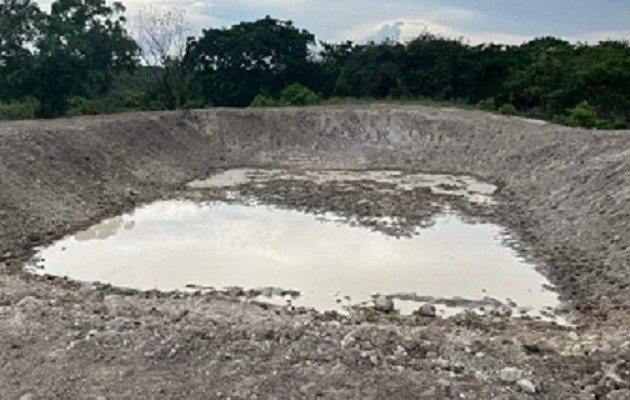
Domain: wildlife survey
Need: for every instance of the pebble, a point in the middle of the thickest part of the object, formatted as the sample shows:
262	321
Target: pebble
510	375
309	390
623	394
374	359
426	310
526	386
27	396
384	304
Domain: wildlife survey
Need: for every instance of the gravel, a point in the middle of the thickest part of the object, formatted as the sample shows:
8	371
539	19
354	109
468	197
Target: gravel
563	193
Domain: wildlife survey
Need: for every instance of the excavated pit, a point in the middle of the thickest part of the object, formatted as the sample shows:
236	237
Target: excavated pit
562	194
320	260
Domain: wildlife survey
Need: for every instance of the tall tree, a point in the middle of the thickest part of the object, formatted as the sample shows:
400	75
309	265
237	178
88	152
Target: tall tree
438	67
162	34
332	59
373	70
234	65
84	43
19	29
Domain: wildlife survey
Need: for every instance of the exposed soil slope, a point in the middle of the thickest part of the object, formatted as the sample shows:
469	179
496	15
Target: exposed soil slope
564	192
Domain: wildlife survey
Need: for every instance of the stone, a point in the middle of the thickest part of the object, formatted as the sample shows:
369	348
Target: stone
510	375
526	386
374	359
426	310
29	302
27	396
623	394
310	390
132	192
384	304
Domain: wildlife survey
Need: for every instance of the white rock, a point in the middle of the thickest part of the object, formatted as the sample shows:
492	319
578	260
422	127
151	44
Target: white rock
526	386
510	375
384	304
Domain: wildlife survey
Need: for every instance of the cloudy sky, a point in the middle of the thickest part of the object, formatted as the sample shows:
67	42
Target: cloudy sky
506	21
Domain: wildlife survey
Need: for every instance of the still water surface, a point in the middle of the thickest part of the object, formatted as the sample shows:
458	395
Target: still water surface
170	244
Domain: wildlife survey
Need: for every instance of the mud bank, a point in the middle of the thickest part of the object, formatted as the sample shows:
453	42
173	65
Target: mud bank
564	192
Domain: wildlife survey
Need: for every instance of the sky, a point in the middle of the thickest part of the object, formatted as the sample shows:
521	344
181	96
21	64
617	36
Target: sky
477	21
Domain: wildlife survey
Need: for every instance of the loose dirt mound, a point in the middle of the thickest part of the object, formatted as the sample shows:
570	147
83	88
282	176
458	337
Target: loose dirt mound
564	192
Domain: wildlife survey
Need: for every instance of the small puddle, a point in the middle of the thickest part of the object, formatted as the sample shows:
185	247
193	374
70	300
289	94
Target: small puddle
172	245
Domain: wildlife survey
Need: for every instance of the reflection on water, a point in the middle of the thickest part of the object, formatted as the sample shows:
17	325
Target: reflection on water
105	229
170	244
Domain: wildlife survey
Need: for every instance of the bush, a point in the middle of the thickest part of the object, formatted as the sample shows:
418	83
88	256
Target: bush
487	105
264	101
25	109
293	95
134	100
298	95
583	115
107	104
507	109
620	123
81	106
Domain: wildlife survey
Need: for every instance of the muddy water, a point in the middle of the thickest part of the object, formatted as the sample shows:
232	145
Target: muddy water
333	265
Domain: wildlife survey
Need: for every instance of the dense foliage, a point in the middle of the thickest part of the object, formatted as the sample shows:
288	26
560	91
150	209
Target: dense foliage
80	59
234	65
74	50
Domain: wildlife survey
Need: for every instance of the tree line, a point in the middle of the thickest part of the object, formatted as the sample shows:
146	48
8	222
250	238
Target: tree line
82	58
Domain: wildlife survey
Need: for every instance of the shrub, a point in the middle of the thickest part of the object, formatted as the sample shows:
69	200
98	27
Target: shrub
81	106
264	101
620	123
583	115
107	104
24	109
507	109
134	99
293	95
298	95
487	105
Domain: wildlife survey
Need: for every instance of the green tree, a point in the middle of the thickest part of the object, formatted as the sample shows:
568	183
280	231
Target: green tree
19	28
332	59
84	43
584	115
162	34
603	78
373	70
233	65
543	80
438	68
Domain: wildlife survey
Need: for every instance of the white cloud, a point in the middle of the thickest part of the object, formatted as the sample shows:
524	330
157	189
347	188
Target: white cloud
409	29
337	20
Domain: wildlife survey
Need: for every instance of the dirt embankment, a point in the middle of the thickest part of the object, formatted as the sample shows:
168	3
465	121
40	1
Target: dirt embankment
564	192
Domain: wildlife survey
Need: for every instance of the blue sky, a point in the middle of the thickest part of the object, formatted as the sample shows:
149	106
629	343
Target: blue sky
508	21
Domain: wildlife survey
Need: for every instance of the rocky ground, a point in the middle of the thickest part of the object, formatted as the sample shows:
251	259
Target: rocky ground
63	340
